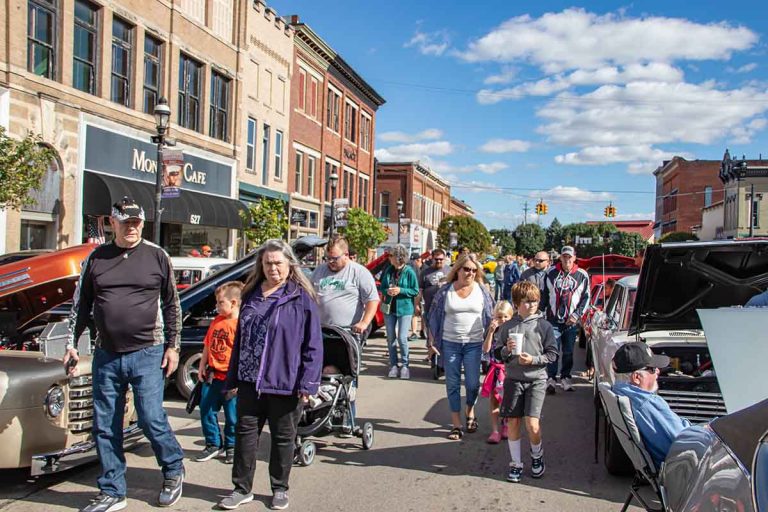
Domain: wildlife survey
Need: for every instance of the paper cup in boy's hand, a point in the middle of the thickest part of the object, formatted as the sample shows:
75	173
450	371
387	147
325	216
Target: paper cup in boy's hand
515	343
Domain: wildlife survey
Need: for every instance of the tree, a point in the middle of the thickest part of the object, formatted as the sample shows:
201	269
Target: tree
629	244
529	239
363	232
590	239
677	236
470	233
268	220
23	164
554	236
505	241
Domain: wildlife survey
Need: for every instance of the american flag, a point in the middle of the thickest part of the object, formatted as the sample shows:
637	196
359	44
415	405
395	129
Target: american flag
96	230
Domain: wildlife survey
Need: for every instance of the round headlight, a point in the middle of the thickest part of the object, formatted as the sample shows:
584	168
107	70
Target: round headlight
54	401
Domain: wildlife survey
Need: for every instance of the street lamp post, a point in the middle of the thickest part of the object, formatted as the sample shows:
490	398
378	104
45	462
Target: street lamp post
162	119
334	178
451	243
399	217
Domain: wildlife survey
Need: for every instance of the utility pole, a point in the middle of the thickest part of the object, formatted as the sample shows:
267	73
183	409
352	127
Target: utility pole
525	213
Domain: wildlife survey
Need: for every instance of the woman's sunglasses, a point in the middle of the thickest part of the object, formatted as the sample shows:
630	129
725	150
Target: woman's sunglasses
469	270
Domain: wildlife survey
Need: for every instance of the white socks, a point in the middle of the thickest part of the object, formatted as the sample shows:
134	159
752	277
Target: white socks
515	452
536	450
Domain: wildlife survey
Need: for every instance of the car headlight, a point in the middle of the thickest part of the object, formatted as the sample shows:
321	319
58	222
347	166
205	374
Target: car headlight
54	401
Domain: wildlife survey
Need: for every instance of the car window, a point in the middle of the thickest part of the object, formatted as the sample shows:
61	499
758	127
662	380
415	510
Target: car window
187	277
628	308
613	310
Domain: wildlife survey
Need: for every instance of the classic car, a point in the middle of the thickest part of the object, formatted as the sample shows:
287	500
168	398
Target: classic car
45	415
189	271
659	308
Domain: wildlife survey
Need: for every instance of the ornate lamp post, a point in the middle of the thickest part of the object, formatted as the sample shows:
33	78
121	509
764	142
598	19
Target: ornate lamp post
451	234
399	216
334	178
162	119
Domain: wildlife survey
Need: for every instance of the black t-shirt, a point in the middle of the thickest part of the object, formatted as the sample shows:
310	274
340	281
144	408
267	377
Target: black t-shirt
133	296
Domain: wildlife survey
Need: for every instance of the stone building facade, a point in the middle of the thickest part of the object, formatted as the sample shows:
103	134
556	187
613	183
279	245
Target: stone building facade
746	189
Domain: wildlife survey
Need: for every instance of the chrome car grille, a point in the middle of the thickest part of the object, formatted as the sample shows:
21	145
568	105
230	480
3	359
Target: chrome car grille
80	419
695	406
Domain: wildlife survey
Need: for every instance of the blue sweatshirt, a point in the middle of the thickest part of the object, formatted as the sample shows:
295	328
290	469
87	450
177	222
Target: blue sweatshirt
657	423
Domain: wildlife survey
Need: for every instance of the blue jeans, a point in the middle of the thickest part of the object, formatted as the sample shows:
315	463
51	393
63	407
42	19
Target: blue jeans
211	400
113	372
565	336
454	355
397	335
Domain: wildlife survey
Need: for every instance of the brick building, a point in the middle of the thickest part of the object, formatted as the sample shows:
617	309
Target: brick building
86	75
683	188
333	123
459	208
746	185
426	200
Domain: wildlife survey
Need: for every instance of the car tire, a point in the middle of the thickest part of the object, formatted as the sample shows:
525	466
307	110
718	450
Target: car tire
616	460
186	374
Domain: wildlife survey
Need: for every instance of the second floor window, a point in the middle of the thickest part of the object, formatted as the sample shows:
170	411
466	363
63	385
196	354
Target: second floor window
190	72
384	205
265	155
41	37
310	175
299	172
365	132
250	146
350	122
332	110
707	196
84	51
219	116
278	154
152	72
122	55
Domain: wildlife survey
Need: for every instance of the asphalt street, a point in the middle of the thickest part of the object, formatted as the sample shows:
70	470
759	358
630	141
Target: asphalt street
411	467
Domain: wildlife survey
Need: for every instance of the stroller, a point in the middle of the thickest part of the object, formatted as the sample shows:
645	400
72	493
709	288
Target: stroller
330	412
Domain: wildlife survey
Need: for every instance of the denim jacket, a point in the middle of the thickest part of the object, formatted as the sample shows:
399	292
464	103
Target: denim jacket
437	313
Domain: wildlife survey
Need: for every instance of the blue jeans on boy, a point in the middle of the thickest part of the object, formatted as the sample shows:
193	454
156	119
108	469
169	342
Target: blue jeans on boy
113	372
211	400
454	355
565	337
397	336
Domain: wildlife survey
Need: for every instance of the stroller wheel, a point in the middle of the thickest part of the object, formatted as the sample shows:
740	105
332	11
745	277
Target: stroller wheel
306	453
367	435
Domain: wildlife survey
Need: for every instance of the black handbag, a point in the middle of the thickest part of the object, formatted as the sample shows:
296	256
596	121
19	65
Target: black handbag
194	397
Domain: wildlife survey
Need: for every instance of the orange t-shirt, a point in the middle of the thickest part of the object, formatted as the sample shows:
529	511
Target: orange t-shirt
219	340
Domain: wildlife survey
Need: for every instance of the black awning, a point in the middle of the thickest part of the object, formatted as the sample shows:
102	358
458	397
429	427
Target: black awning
101	190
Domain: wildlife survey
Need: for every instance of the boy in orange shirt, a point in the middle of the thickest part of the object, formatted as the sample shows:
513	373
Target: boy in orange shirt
213	372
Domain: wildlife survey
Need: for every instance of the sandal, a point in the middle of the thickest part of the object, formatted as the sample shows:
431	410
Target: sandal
456	434
471	425
494	438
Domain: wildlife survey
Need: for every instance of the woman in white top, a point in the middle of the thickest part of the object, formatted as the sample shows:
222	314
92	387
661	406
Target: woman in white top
460	313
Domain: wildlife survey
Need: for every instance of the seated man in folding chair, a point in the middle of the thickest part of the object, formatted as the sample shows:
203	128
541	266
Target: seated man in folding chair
637	371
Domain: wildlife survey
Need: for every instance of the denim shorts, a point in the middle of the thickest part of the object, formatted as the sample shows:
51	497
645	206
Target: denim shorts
523	398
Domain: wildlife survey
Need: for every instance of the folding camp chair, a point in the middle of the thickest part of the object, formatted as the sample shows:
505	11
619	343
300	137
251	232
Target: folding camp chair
622	420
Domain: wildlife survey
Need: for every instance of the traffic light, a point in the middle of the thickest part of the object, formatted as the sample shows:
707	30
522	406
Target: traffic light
545	208
541	208
609	211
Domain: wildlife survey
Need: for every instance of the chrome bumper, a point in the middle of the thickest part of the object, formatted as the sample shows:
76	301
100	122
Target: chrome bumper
47	463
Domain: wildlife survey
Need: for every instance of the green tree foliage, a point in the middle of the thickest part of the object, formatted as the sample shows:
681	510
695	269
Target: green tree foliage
599	236
629	244
529	239
554	236
677	236
470	232
506	241
269	219
363	232
23	164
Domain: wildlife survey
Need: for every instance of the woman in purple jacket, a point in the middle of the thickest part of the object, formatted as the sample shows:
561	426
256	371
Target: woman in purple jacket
275	366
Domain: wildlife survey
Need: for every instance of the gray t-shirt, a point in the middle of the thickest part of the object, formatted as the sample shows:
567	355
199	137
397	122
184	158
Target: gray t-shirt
342	295
430	281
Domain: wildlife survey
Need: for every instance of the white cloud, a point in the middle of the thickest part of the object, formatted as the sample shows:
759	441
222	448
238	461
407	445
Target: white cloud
643	159
505	76
577	39
562	193
402	137
446	168
410	152
620	216
429	43
507	218
505	146
746	68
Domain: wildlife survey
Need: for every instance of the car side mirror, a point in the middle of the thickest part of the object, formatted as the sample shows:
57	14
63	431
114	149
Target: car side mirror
760	476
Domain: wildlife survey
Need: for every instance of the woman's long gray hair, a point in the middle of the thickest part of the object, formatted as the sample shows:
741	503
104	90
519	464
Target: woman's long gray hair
400	253
295	273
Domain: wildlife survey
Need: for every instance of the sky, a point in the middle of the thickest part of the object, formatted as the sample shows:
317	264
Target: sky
573	104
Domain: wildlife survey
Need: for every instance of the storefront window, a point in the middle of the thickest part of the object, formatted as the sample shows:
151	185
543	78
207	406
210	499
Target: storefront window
36	235
181	239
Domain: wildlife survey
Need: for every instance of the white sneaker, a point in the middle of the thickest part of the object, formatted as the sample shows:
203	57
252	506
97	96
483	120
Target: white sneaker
567	384
393	372
551	386
405	373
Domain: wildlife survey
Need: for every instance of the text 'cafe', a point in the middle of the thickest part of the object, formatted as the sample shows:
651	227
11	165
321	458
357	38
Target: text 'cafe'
204	213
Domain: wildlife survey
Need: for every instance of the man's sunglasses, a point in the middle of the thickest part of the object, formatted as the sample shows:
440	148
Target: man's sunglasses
438	259
537	260
469	270
650	369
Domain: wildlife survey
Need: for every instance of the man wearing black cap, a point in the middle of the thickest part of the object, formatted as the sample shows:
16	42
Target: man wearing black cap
637	371
129	285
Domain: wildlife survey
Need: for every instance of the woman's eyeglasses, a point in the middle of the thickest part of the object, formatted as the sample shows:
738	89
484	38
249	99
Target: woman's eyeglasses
469	270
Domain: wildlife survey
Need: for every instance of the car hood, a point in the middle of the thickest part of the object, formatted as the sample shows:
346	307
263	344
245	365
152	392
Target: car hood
676	279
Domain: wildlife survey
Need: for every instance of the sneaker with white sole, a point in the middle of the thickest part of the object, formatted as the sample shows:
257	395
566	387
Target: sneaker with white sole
537	466
234	500
171	491
515	473
405	373
567	384
279	500
393	372
210	452
105	503
551	386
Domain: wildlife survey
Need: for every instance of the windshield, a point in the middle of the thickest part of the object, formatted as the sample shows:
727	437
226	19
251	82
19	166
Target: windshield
630	306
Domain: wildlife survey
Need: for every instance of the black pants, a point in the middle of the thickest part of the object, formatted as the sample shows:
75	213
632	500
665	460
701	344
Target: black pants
283	414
